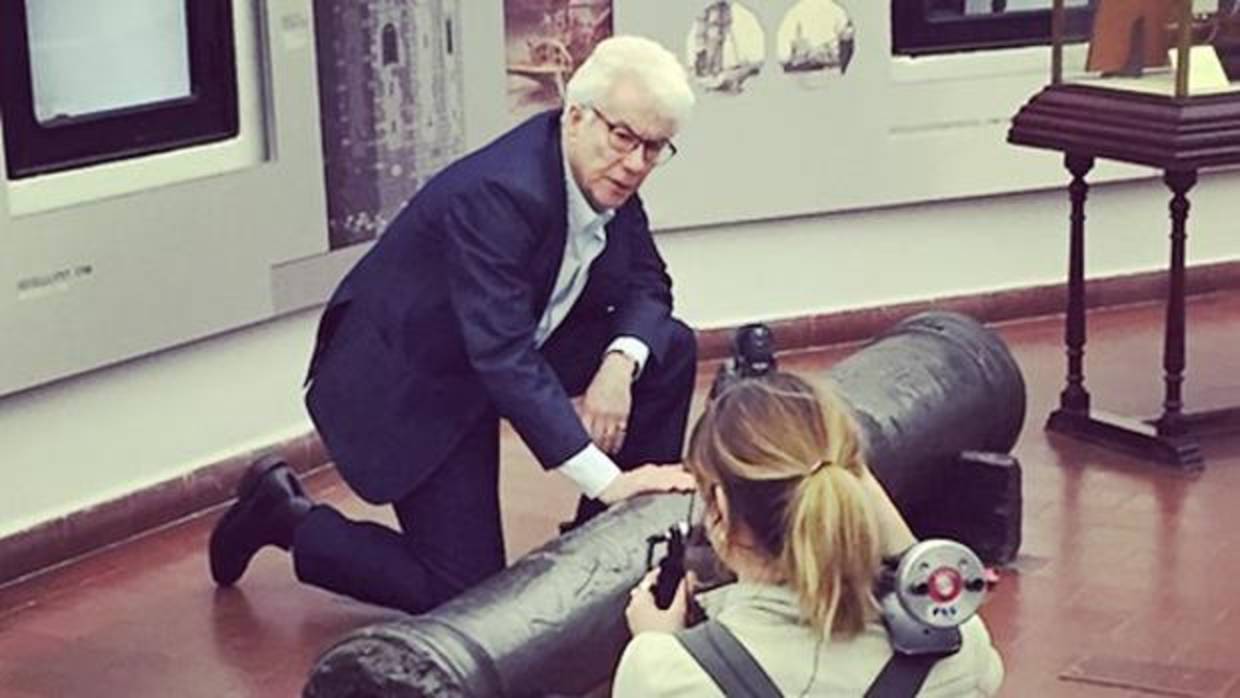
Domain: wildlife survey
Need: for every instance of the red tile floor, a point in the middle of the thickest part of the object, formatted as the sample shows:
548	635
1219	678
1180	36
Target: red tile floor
1128	570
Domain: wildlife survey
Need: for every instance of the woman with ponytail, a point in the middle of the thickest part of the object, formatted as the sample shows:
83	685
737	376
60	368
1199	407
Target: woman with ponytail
793	510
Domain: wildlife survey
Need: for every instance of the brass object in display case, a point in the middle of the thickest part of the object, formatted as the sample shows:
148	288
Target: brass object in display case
1129	36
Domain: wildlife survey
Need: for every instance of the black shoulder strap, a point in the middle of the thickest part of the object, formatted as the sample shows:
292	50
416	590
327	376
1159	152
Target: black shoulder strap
727	661
902	675
739	675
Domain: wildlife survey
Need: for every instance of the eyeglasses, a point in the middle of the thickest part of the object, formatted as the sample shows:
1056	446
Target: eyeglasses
622	140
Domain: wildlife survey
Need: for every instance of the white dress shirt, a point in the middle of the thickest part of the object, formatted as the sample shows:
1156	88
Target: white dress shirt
590	468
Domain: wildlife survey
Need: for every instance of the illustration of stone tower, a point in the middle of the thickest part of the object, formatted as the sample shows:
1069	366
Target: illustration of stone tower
391	106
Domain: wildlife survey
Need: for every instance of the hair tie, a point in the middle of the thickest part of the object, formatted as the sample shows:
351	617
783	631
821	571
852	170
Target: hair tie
819	466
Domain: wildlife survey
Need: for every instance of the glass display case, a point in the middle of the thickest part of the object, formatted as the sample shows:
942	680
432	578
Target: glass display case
1170	47
1159	88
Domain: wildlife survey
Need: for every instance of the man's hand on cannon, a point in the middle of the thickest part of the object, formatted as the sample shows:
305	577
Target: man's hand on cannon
646	479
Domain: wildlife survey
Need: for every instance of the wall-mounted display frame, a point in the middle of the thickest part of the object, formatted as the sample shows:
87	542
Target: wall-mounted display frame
920	27
113	260
149	108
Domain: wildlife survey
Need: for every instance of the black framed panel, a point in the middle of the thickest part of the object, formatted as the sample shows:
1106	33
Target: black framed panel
921	27
42	134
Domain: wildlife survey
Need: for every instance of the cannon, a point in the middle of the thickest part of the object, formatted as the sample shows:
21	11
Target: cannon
939	401
552	623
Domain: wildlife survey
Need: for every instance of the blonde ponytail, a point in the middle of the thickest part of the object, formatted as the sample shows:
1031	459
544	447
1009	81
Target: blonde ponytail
790	463
831	551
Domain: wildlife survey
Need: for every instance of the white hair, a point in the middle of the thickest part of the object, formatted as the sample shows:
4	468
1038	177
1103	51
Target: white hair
652	66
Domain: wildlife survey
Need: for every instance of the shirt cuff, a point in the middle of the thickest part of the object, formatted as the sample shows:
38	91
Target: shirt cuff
633	348
590	469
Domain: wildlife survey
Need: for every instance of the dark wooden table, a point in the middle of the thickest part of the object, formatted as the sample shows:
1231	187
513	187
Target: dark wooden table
1180	137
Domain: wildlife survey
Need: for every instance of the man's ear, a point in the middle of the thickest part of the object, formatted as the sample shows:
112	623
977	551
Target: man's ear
571	120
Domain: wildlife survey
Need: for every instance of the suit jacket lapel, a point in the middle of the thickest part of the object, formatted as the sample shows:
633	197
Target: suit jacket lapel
550	253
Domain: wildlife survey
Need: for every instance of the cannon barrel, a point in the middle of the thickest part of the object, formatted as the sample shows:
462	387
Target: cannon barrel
551	623
935	385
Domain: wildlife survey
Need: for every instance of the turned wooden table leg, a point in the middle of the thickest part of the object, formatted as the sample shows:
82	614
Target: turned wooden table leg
1171	422
1074	396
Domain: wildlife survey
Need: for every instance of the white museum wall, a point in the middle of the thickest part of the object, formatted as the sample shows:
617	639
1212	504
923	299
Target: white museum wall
193	243
727	275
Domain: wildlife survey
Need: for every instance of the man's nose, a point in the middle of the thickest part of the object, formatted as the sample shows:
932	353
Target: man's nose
635	160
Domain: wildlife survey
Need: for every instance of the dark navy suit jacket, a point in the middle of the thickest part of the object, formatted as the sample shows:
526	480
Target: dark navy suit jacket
433	328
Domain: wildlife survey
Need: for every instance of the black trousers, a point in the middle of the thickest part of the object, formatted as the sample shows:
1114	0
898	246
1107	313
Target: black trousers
451	536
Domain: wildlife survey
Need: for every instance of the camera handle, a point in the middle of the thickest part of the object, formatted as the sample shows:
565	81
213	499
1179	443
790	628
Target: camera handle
672	566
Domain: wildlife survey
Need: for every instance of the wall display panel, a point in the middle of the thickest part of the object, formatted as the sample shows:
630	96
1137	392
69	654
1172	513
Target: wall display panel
108	261
391	76
82	84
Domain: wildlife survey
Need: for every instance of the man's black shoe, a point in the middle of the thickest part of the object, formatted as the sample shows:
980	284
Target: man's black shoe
269	504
